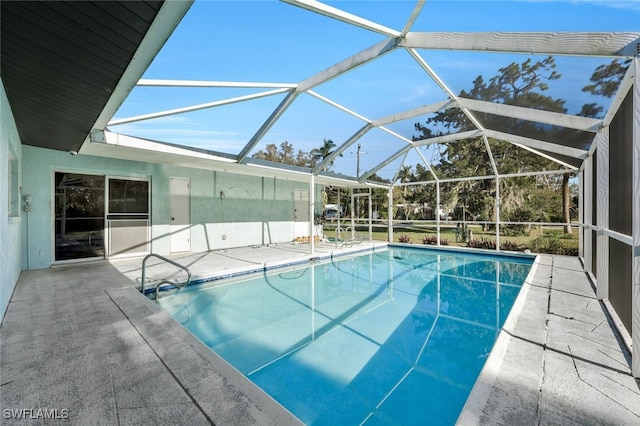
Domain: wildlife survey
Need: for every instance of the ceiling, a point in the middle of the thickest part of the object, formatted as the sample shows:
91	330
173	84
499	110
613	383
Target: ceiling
62	63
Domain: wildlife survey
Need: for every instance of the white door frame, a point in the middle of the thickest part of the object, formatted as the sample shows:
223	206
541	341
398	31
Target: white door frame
179	221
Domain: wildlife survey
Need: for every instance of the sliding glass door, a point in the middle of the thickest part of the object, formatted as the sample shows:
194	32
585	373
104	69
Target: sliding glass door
98	216
79	216
128	217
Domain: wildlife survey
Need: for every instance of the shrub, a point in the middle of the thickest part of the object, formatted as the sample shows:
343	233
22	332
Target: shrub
433	240
430	239
482	243
519	214
555	243
509	246
404	239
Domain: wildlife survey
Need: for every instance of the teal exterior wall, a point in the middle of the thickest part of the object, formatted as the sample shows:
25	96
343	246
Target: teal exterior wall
227	210
10	219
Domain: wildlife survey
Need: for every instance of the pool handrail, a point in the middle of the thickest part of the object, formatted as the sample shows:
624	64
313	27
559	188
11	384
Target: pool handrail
176	264
355	237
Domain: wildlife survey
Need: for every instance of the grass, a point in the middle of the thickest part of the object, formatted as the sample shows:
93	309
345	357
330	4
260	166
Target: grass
541	239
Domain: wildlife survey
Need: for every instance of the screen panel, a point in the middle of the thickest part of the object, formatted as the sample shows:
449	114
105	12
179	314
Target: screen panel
621	168
620	288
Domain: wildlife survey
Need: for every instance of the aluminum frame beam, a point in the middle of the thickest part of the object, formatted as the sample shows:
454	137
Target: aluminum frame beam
196	107
341	15
357	135
377	50
544	43
414	15
150	82
412	113
538	144
275	115
530	114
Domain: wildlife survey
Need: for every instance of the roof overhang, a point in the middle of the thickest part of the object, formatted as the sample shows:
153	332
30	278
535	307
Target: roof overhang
68	66
115	145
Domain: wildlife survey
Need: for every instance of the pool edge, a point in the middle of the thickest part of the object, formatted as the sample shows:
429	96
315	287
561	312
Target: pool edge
210	380
479	396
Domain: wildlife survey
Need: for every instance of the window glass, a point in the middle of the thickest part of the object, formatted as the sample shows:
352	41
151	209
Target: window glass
128	196
79	216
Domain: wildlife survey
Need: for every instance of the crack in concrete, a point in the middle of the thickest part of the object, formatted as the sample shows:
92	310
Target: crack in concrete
613	359
113	393
597	325
544	347
571	293
599	343
576	319
575	366
621	384
562	316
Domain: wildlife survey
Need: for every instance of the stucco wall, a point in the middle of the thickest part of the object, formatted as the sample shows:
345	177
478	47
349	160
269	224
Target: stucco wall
227	210
10	241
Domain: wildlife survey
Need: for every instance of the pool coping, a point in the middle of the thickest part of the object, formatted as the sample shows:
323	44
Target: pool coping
205	376
267	266
479	395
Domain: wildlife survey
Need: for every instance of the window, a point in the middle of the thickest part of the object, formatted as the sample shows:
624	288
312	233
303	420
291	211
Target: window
128	196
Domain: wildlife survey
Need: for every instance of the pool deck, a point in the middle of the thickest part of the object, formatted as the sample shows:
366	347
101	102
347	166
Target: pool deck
81	342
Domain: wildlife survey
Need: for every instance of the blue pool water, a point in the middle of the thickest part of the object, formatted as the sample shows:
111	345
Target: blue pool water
389	337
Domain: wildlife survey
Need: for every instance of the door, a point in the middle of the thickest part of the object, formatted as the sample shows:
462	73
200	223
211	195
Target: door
301	213
79	216
128	217
180	210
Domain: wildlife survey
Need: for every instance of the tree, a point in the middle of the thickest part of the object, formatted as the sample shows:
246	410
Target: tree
521	84
605	82
405	175
606	78
319	154
285	155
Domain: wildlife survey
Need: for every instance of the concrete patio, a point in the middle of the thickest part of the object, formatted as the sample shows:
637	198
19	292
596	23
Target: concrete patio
81	342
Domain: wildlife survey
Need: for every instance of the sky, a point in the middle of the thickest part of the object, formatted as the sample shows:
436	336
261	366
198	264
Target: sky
270	41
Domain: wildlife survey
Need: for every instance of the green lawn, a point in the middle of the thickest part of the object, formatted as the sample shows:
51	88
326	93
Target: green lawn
541	239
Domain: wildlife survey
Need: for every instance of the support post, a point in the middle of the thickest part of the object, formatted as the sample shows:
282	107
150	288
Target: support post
370	217
353	213
390	214
635	329
497	207
588	214
312	213
438	213
602	219
581	223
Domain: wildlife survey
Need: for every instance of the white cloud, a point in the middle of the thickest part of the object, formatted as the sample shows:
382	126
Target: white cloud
611	4
418	92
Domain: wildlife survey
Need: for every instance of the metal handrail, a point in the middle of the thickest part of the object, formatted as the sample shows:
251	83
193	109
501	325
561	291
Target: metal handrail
355	236
164	282
144	270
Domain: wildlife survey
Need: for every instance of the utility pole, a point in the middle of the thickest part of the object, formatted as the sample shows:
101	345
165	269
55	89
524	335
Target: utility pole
358	152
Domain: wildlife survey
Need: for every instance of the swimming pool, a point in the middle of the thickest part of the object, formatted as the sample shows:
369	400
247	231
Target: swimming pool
388	337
